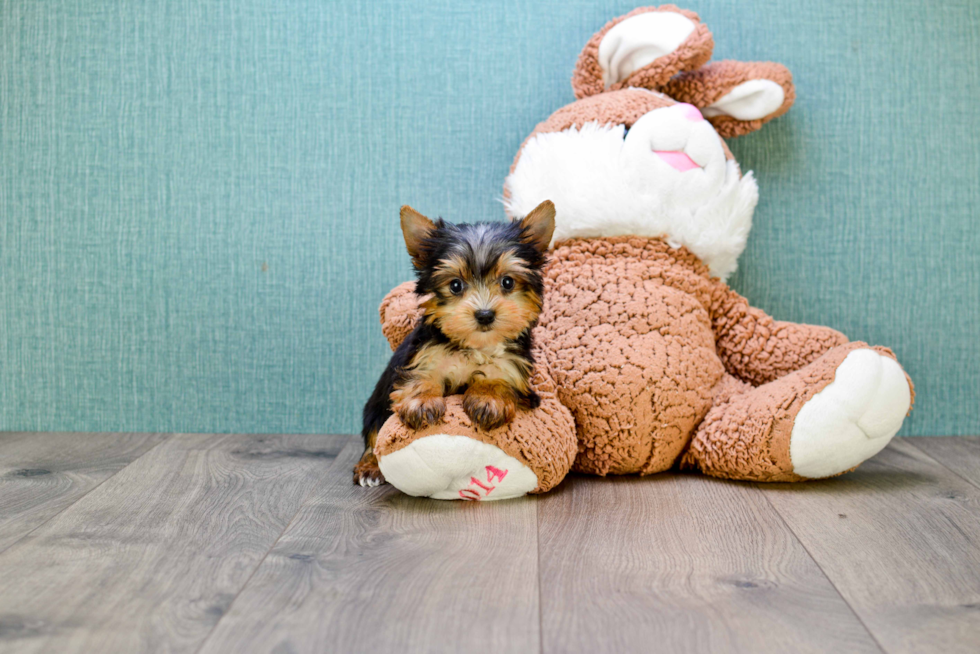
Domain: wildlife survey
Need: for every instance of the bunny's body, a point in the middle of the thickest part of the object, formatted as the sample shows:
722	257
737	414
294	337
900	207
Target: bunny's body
645	358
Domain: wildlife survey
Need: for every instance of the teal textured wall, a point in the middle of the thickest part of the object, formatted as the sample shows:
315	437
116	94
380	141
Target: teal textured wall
198	198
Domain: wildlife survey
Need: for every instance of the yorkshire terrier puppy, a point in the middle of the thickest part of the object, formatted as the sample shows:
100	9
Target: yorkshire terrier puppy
474	337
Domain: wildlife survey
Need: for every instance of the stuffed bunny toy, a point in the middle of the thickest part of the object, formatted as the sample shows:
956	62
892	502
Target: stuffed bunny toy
645	360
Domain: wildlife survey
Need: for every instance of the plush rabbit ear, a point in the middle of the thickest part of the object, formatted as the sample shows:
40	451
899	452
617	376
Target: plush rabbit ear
737	97
644	48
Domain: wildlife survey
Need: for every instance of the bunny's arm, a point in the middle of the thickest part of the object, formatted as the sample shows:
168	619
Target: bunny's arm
758	349
399	313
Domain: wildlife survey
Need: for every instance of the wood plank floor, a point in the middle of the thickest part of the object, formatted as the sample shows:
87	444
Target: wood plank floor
237	543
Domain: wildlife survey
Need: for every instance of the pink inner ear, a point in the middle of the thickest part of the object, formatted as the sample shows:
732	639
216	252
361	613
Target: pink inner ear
677	160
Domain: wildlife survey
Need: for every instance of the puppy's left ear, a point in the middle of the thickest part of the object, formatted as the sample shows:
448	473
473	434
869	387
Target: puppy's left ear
539	226
416	228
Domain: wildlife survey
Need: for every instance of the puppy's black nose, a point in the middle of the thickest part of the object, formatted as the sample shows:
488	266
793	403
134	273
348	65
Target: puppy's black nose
485	316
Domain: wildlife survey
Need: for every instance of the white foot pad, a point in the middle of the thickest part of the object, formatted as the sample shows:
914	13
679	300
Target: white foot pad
853	418
446	467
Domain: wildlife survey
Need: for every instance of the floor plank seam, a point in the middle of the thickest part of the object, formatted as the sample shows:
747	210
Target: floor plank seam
166	438
940	463
820	568
537	533
261	561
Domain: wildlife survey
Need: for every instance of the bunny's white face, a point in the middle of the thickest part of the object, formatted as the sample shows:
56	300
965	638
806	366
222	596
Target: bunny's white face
675	154
666	176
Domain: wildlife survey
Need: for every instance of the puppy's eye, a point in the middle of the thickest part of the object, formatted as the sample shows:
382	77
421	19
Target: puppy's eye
456	286
507	283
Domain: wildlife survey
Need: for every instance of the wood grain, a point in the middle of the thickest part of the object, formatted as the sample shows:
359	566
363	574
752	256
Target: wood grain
131	543
961	454
681	563
373	570
43	473
152	558
900	540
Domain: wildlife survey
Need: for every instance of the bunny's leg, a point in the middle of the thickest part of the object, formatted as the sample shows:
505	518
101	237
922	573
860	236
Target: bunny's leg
456	460
822	420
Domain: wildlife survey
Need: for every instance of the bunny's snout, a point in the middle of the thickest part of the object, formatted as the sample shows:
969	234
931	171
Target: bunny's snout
691	112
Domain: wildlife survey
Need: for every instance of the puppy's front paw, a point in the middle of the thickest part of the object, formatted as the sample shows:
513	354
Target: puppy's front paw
367	473
487	410
421	411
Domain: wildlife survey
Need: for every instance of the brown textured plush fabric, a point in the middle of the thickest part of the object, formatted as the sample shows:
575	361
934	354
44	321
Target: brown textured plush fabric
628	335
757	349
695	51
707	85
399	313
643	358
614	108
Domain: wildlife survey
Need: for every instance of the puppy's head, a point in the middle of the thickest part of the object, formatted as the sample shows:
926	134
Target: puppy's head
485	278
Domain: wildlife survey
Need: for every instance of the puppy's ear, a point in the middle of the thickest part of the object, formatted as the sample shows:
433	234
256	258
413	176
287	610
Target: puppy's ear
539	225
416	229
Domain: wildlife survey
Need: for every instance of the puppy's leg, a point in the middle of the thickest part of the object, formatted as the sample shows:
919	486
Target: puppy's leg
528	400
366	472
490	403
419	403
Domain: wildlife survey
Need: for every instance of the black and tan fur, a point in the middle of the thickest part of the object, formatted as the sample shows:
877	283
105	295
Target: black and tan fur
485	292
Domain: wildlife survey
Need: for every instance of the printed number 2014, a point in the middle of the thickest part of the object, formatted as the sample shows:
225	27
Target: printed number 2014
473	491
